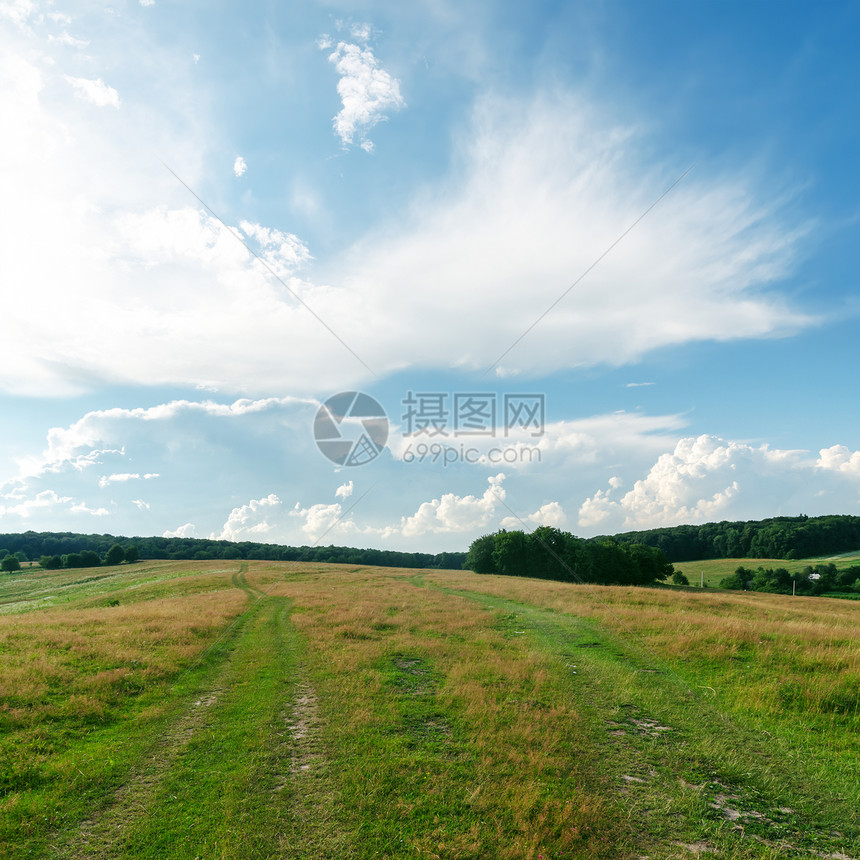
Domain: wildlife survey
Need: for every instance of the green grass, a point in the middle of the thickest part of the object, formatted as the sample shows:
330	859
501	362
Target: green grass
262	710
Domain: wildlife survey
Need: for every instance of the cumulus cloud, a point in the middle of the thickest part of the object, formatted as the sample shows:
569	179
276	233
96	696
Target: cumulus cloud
184	531
249	522
239	166
838	458
453	513
549	514
344	491
366	90
95	91
707	478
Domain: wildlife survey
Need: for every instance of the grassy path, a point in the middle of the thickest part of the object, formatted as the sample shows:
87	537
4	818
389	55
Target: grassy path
237	775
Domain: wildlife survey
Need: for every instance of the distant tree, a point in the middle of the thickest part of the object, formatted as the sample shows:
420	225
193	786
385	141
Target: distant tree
3	553
132	553
51	562
90	558
9	564
679	578
115	555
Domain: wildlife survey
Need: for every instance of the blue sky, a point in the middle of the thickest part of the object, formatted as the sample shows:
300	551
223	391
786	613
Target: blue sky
648	211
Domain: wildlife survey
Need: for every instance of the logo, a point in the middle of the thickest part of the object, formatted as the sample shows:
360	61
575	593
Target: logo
351	428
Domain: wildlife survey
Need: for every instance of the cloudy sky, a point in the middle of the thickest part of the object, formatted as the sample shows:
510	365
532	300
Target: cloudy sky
596	261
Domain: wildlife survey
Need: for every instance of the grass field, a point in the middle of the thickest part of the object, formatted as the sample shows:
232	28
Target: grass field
272	709
715	569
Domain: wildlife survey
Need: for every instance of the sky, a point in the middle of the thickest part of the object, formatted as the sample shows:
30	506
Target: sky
401	274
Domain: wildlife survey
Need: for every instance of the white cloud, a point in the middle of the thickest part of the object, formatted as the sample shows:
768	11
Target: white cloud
344	491
321	519
249	522
554	183
172	297
83	508
184	531
704	479
284	252
361	32
840	459
82	443
29	507
366	91
239	166
17	10
639	384
95	91
549	514
453	513
147	2
140	504
66	39
122	477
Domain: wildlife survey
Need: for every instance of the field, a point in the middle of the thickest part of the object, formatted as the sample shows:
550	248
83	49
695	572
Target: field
273	709
715	569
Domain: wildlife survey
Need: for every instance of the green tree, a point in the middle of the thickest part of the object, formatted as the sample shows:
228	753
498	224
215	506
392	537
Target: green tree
679	578
9	564
90	558
132	553
115	555
479	559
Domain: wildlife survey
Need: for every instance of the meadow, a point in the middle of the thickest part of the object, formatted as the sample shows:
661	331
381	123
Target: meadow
283	709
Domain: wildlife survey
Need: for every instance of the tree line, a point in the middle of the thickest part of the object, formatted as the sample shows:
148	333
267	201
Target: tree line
548	553
820	579
778	537
33	546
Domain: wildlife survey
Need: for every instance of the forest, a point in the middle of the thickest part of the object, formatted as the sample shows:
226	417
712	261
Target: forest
71	547
549	553
779	537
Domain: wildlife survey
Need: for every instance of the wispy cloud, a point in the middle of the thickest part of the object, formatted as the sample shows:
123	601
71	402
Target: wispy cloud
95	91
